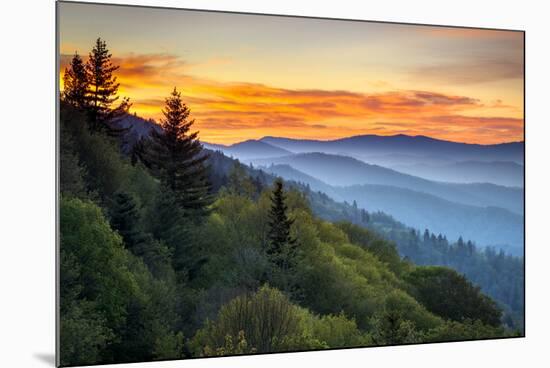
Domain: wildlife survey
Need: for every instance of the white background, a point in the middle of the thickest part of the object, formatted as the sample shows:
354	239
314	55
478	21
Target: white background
27	182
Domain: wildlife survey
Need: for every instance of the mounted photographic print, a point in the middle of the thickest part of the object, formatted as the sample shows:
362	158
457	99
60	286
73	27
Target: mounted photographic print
236	183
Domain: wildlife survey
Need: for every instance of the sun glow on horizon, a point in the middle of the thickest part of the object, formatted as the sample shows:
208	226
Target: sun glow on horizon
453	84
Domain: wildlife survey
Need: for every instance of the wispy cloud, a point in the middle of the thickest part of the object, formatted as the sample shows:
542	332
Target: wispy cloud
471	72
470	33
227	112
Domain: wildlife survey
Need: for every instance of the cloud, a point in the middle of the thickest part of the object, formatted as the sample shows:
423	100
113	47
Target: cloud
470	55
471	72
474	129
148	67
471	33
493	124
142	70
259	106
228	112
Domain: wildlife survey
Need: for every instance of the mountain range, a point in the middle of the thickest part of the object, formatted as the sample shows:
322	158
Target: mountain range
507	173
487	225
456	189
345	171
248	150
424	157
363	146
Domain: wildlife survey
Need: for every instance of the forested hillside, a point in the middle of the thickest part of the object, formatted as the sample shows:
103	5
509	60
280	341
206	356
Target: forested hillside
499	275
166	252
488	214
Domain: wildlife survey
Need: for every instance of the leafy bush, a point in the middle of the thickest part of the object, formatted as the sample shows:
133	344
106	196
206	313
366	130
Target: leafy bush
267	319
467	330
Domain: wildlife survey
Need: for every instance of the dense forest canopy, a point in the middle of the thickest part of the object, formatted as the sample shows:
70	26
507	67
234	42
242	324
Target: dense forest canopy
169	251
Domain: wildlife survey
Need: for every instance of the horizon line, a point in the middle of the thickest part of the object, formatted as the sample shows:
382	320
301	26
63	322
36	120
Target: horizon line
356	136
155	122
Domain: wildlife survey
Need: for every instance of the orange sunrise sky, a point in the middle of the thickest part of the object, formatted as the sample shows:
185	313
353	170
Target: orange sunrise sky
249	76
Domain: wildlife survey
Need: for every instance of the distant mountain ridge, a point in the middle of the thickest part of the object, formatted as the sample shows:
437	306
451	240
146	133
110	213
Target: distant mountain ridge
505	173
361	146
342	171
249	149
138	126
364	145
485	225
420	156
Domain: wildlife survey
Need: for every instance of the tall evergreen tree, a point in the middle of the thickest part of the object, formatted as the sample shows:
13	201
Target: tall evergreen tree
168	223
75	83
175	156
125	218
282	246
72	172
102	91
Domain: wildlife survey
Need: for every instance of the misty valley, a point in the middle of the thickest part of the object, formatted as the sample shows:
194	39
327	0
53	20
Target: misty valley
482	210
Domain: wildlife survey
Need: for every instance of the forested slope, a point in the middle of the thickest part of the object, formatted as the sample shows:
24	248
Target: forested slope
166	256
146	293
498	274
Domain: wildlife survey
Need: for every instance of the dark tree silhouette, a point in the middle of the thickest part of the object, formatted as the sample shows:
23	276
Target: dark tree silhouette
102	92
175	156
125	219
75	83
282	247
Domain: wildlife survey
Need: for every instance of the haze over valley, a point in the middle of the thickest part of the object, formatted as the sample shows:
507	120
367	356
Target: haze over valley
457	189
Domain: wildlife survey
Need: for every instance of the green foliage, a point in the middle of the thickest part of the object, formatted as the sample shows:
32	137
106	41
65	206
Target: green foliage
101	167
266	318
150	330
499	275
84	334
240	346
337	331
104	274
452	296
71	172
169	346
390	328
238	258
347	278
240	183
385	251
267	322
125	218
109	299
167	222
282	247
467	330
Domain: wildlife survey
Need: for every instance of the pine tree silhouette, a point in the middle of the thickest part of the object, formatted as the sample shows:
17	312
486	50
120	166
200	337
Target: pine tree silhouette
102	92
282	247
75	83
175	156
